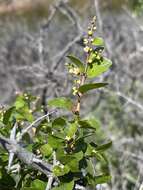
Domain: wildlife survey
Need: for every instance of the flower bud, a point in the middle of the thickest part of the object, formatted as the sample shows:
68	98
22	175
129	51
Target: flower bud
90	33
78	81
74	90
94	18
71	71
76	71
98	57
86	49
94	28
67	138
90	61
91	40
85	41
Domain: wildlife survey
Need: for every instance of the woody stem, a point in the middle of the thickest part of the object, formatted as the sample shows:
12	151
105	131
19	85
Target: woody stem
82	82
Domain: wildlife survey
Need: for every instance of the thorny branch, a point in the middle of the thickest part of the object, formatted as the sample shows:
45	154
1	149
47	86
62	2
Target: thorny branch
25	156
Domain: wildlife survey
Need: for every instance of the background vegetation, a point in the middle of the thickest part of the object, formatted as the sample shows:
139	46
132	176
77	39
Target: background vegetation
34	41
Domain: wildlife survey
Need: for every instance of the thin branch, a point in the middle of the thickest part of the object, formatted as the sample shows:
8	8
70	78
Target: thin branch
79	187
11	154
131	101
100	22
32	124
127	98
141	187
51	178
62	53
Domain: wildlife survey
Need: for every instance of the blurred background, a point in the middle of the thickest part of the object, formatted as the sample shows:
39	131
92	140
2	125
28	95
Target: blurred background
36	36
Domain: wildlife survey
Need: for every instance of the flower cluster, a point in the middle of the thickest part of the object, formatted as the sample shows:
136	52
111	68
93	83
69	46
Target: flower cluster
89	39
72	69
93	45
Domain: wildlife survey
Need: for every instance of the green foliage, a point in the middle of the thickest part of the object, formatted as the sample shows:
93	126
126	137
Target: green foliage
76	62
86	87
104	147
46	150
63	141
60	103
7	115
137	6
97	69
98	42
65	186
99	179
36	185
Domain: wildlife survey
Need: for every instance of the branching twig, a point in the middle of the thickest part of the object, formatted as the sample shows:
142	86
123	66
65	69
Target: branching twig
11	154
51	178
32	124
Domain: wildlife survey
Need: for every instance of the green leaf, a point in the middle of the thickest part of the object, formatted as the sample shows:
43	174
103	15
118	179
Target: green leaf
74	165
104	147
93	122
7	180
98	42
86	87
90	168
20	102
71	160
61	170
102	179
80	145
65	186
97	69
85	124
99	156
46	150
93	181
24	114
62	102
72	129
7	115
59	123
54	142
77	62
38	184
89	151
78	155
66	159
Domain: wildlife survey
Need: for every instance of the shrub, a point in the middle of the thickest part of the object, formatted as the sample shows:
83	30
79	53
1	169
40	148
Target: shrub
55	152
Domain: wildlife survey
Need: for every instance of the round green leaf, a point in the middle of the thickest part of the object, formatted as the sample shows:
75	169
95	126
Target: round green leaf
38	184
61	170
46	150
59	122
54	142
62	102
98	42
97	69
65	186
72	129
